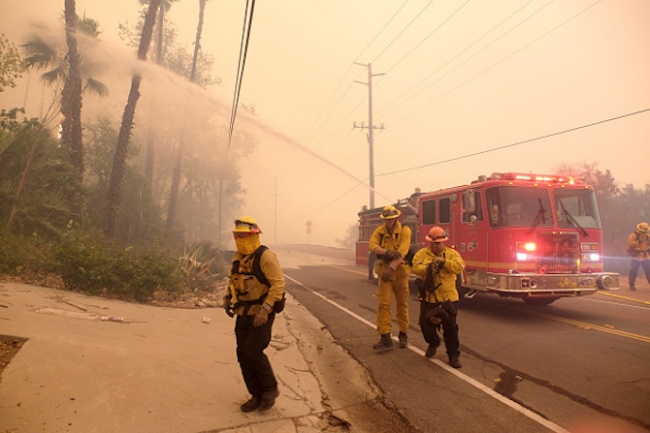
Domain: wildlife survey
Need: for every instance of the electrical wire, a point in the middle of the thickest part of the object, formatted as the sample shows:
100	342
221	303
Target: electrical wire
343	79
499	62
480	38
403	30
445	21
243	50
519	143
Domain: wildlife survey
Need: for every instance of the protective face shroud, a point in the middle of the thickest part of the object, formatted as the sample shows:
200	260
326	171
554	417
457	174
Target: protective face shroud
248	245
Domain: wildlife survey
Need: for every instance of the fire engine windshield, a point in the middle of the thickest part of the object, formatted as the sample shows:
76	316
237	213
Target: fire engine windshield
516	206
576	208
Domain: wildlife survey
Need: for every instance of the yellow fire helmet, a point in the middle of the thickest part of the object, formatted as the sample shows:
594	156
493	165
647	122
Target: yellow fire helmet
246	224
390	212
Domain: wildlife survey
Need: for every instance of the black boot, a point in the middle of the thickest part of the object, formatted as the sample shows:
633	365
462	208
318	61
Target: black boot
252	404
403	340
385	342
455	362
268	399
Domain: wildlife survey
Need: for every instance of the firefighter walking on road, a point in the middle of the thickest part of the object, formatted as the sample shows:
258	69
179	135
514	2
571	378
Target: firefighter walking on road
638	243
437	268
390	242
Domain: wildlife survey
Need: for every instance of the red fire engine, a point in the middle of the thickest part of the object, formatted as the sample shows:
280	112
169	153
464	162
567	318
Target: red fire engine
528	236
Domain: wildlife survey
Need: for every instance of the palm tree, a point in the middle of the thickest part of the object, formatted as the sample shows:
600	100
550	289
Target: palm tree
68	69
119	160
42	54
71	95
173	197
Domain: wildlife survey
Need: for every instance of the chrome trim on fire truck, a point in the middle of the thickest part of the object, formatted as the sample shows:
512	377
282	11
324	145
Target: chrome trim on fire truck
546	284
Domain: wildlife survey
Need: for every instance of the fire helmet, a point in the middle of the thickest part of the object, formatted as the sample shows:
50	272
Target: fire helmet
643	227
437	234
389	212
246	224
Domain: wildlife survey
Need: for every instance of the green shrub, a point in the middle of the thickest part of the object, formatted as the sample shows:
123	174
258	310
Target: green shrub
21	255
86	264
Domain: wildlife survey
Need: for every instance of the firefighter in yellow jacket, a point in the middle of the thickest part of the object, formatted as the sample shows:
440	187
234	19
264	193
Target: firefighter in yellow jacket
437	268
391	242
638	243
255	293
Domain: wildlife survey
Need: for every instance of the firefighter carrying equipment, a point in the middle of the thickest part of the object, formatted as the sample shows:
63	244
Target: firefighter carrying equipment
390	212
437	234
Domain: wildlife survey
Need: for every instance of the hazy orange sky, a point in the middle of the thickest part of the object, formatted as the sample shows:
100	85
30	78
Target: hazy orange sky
465	88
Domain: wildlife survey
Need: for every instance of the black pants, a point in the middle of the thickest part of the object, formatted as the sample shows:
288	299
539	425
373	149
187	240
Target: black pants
449	330
634	269
255	366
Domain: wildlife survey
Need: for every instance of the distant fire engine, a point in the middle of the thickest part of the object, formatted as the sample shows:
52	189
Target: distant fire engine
528	236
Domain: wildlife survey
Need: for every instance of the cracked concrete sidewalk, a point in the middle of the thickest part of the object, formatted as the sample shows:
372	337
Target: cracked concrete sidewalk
97	365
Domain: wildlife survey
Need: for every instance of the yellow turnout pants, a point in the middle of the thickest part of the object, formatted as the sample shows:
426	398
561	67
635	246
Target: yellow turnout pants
385	290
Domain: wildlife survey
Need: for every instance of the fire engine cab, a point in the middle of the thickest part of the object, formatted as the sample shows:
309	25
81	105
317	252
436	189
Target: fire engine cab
528	236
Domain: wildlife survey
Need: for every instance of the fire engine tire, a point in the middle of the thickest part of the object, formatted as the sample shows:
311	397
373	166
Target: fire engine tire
540	301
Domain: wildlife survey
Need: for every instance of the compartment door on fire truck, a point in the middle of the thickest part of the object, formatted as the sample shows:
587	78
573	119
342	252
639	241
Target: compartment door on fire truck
472	230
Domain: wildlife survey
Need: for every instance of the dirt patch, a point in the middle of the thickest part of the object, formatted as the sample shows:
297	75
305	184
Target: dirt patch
9	346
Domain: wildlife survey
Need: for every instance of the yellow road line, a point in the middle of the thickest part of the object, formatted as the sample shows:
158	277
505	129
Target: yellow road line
585	325
627	298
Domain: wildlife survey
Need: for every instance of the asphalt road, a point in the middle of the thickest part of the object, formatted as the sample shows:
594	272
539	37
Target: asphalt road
578	365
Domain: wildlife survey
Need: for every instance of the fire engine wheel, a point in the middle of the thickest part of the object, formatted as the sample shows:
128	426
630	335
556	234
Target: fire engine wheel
540	301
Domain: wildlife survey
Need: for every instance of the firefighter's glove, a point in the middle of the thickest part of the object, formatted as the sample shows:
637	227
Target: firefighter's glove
262	315
227	305
388	257
388	274
438	263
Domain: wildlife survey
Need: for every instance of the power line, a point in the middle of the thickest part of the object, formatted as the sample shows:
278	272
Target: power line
469	156
494	149
445	21
403	95
499	62
402	32
243	50
345	75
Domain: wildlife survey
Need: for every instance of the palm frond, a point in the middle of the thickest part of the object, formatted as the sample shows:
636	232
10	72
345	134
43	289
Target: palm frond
96	87
55	75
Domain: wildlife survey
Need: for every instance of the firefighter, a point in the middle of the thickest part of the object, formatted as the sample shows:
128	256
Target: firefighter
390	242
638	243
437	268
256	290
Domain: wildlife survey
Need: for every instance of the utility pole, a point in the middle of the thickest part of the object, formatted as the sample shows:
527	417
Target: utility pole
370	128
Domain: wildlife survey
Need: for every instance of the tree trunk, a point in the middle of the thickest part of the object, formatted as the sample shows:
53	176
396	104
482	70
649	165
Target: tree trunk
71	95
197	43
119	160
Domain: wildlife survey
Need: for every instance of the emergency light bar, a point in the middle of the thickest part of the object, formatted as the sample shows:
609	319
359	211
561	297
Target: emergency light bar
536	177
